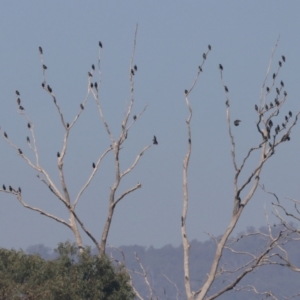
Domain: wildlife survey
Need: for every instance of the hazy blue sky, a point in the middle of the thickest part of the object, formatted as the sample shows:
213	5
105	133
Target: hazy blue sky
172	36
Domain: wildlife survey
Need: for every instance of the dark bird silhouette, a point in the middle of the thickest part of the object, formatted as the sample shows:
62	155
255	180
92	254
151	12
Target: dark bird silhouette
186	92
277	91
68	125
268	89
43	85
274	75
93	67
5	134
155	140
290	113
266	107
220	67
226	89
4	187
283	125
286	118
44	67
134	117
283	58
135	68
256	107
132	72
91	85
28	125
90	74
81	106
96	85
21	107
41	50
282	83
285	137
10	188
190	141
204	56
270	123
20	151
17	92
280	64
94	166
237	122
19	101
19	189
200	69
28	139
285	93
277	102
271	104
100	45
227	103
58	154
49	88
209	47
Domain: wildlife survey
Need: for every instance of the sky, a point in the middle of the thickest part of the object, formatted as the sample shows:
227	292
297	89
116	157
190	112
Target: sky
172	36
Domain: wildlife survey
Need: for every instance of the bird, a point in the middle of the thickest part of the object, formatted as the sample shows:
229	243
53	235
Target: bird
204	56
286	118
10	188
93	67
282	83
19	101
237	122
274	75
96	85
270	123
209	47
20	151
28	125
220	67
135	68
283	58
134	117
5	134
271	104
100	45
17	92
81	106
28	139
280	63
186	92
90	74
49	88
266	107
91	85
19	189
155	140
21	107
94	166
41	50
200	69
4	187
277	91
268	89
290	113
44	67
68	125
285	93
58	155
256	107
132	72
285	137
226	89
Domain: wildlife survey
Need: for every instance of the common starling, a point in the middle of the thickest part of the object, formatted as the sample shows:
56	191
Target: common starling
19	101
19	189
68	125
237	122
4	187
277	102
49	88
227	103
281	83
277	91
204	56
226	89
186	91
93	67
58	155
155	140
17	92
280	63
270	123
90	74
220	67
135	68
290	113
256	107
268	89
41	50
274	75
28	125
286	118
266	107
283	58
5	134
285	93
96	85
91	85
100	44
21	107
94	166
20	151
283	125
134	117
200	69
10	188
81	106
44	67
271	104
43	85
132	72
209	47
28	139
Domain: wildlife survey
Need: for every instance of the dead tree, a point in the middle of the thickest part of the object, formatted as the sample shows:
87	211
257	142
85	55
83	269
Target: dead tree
273	131
75	221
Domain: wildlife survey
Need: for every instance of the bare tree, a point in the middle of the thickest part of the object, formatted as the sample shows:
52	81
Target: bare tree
271	136
75	221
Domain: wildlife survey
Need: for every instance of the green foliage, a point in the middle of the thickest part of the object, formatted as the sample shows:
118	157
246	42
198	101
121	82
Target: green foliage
72	275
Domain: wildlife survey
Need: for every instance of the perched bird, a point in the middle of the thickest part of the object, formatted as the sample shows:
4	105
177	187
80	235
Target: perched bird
277	102
286	118
274	75
277	91
270	123
5	134
271	104
200	69
227	103
43	85
90	74
134	117
155	140
81	106
100	45
204	56
135	68
282	83
285	93
283	58
290	113
68	125
49	88
21	107
19	189
28	125
256	107
190	141
237	122
209	47
91	85
17	92
132	72
28	139
44	67
58	155
10	188
94	166
4	187
41	50
280	64
266	107
220	67
96	85
20	151
186	92
226	89
268	89
283	125
285	137
19	101
93	67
